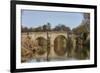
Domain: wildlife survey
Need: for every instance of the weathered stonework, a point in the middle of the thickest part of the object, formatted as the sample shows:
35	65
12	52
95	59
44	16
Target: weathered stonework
52	35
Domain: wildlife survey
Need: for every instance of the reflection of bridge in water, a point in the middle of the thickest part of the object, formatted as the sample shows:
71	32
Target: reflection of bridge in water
57	43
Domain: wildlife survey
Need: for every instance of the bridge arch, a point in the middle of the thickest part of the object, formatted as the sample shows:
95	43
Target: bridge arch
42	45
60	45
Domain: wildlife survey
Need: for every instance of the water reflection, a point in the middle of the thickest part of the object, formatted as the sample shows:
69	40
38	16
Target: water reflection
52	59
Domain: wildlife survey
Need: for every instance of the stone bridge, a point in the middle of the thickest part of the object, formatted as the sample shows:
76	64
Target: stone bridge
53	35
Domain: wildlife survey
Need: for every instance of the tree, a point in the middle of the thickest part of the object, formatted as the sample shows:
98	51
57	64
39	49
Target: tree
82	48
46	27
38	29
84	27
24	29
62	27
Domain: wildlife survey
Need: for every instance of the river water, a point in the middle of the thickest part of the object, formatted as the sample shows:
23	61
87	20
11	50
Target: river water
45	60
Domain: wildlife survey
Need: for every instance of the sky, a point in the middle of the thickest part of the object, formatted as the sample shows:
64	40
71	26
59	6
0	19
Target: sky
33	18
